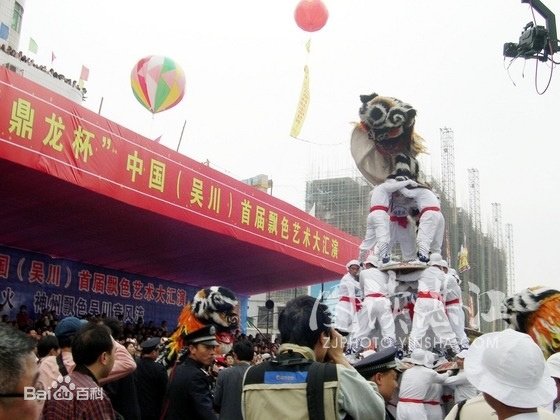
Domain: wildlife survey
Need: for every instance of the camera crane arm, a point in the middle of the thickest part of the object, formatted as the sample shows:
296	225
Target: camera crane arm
550	20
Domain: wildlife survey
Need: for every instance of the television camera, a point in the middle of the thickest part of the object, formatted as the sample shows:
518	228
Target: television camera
535	41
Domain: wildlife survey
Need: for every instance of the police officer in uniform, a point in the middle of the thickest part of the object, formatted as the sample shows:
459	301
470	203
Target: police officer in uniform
381	369
151	380
189	391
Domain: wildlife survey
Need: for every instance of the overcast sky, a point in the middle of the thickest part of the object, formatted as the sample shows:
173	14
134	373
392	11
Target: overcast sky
244	62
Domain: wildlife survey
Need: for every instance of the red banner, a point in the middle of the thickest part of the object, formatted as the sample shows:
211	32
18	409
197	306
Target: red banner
44	131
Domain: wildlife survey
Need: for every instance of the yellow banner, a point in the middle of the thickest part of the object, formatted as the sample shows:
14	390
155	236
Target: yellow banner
303	104
463	260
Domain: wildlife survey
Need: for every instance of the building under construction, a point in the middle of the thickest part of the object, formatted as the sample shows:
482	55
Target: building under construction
344	201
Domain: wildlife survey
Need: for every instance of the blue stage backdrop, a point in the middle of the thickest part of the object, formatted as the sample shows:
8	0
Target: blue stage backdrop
72	288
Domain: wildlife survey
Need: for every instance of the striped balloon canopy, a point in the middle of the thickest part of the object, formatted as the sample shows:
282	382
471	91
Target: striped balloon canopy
158	83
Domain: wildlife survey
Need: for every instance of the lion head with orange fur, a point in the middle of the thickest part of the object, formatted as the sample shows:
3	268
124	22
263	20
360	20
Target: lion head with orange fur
215	306
536	311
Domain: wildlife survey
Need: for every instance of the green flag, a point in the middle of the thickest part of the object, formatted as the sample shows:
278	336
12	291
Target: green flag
33	47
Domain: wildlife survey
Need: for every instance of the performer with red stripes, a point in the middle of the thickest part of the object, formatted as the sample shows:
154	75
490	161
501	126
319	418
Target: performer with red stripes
348	301
377	230
431	222
415	384
429	310
376	306
454	306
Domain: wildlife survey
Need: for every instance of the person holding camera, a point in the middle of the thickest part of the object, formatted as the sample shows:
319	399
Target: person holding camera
310	377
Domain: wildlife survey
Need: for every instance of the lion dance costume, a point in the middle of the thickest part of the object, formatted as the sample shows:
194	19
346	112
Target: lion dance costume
216	306
384	142
536	311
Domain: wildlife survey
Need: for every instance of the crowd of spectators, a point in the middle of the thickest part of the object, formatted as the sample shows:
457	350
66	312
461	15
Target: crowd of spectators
133	334
28	60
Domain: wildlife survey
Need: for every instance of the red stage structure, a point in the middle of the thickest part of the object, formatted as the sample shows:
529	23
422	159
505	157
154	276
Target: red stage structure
78	186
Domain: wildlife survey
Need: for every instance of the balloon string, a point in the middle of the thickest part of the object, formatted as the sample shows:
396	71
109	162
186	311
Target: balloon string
317	143
152	134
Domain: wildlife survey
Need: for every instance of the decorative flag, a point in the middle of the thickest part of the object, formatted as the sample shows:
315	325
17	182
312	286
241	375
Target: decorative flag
472	314
84	74
303	104
463	256
312	210
4	31
473	288
53	57
33	47
158	139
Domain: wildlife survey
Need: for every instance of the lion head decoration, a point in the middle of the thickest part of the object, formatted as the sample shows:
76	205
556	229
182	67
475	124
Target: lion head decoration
384	136
536	311
215	306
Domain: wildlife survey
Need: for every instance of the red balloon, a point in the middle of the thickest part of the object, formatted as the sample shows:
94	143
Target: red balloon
311	15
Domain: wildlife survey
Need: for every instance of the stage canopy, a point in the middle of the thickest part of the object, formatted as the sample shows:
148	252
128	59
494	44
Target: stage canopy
75	185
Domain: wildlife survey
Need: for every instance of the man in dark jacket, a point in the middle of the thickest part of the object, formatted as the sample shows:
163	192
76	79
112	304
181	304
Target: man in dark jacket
189	392
151	380
227	397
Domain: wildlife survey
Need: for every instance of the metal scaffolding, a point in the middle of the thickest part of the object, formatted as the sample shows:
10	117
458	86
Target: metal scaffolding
497	225
448	189
448	164
474	198
510	259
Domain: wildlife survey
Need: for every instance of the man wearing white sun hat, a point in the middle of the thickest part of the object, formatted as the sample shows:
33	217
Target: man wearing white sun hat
510	370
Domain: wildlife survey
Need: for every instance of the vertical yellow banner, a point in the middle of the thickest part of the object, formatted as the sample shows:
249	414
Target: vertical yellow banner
303	104
463	264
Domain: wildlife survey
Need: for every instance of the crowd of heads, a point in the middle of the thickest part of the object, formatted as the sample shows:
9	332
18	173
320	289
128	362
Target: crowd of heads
49	340
29	61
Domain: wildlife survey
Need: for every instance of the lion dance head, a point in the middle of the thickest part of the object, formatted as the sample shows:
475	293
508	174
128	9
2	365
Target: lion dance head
215	306
536	311
385	137
389	123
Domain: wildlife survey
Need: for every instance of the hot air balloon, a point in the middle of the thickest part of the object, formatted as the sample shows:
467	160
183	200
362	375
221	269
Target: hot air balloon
311	15
158	83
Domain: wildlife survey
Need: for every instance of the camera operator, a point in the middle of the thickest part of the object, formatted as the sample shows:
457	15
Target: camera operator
310	376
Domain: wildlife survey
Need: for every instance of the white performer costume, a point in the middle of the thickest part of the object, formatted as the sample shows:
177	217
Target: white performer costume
454	306
429	310
432	400
432	224
462	388
414	386
432	404
377	306
402	231
377	230
348	302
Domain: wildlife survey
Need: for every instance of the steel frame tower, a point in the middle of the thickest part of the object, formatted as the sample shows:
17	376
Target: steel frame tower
474	198
448	164
511	286
448	190
497	225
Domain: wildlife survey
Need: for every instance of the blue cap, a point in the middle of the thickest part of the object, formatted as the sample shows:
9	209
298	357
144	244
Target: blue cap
69	326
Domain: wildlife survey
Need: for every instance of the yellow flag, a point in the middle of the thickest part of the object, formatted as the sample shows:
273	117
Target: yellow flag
463	260
303	104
